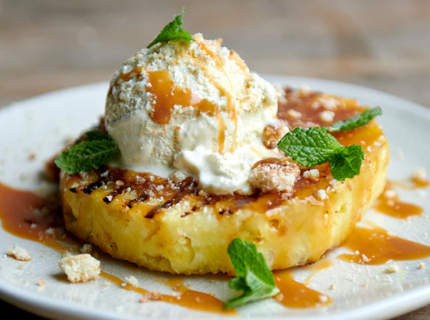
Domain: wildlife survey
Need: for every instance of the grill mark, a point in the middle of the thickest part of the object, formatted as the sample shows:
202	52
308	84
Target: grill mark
138	199
117	191
225	211
112	195
185	214
166	205
93	186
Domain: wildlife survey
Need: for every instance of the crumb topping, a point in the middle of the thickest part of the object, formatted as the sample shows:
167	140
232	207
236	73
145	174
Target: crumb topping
274	175
272	134
312	174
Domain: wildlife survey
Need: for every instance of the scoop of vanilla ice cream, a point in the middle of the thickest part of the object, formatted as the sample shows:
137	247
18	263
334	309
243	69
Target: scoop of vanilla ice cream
193	107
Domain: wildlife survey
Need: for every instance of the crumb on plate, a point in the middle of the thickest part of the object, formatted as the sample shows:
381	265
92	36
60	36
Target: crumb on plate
80	268
19	253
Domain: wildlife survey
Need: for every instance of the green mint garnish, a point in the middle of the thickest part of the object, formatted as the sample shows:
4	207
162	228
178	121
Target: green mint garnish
97	135
173	30
87	155
346	162
314	146
309	147
254	277
356	121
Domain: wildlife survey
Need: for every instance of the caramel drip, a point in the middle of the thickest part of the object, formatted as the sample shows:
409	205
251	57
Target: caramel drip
231	108
28	216
189	299
394	207
419	183
315	268
221	133
166	95
377	246
125	77
413	183
193	299
294	294
130	75
211	54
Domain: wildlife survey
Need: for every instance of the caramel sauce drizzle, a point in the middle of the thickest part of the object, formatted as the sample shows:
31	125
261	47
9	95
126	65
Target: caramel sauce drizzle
23	214
394	207
231	108
419	183
18	215
130	75
167	95
315	268
413	183
194	299
294	294
188	298
302	101
375	245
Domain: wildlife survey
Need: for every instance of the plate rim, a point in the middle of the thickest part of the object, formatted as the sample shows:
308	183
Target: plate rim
395	305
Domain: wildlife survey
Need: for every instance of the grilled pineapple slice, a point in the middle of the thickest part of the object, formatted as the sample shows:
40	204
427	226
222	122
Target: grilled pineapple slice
168	225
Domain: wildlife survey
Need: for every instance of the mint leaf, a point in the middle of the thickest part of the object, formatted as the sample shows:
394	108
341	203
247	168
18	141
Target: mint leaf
87	155
254	277
173	30
313	146
346	162
97	135
356	121
309	147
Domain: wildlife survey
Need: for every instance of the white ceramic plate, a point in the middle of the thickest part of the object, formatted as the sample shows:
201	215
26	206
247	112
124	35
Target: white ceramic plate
42	124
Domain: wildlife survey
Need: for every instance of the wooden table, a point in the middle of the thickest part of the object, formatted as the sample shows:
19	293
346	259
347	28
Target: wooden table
47	45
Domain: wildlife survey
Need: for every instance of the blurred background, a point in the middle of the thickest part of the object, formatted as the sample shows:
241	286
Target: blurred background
384	44
47	45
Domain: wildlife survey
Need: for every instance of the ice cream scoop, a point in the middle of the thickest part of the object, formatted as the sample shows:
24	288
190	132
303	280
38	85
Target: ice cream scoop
194	107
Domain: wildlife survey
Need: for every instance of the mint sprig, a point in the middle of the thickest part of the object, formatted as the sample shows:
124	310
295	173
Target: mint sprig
173	30
254	277
356	121
314	146
87	155
309	147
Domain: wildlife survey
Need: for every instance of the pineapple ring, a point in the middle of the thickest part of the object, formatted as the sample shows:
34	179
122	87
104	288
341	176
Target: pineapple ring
170	226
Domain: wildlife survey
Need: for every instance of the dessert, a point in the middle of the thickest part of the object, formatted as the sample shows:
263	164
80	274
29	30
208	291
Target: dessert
195	153
170	224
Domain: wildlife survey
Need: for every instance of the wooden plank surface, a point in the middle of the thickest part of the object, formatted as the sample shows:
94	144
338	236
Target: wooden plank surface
47	45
